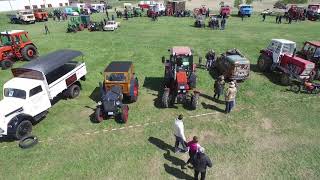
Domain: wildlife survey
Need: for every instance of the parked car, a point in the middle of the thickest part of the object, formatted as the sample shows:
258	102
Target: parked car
233	65
23	17
28	95
111	26
245	10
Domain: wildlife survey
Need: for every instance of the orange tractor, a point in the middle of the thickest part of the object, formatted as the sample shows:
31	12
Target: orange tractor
180	78
40	14
16	45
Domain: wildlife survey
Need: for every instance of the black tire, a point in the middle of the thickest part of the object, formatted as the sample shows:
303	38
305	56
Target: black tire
194	101
317	75
74	91
99	116
264	64
29	52
285	79
134	98
124	115
28	142
165	99
316	91
295	88
23	129
6	64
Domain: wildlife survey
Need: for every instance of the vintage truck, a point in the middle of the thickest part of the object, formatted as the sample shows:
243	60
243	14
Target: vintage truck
27	96
233	65
111	26
23	17
40	14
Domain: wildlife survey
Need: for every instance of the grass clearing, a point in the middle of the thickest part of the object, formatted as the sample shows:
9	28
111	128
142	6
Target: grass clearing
272	134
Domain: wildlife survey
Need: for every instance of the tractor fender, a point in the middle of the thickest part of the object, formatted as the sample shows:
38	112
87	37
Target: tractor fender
132	82
15	121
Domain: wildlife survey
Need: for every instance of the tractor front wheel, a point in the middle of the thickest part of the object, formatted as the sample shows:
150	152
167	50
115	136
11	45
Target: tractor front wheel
6	64
124	115
98	115
194	101
165	99
295	88
285	79
29	52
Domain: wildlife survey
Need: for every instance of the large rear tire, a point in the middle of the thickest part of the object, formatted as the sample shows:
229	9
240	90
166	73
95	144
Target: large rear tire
6	64
23	129
194	101
264	64
295	88
99	115
29	52
124	115
134	98
165	99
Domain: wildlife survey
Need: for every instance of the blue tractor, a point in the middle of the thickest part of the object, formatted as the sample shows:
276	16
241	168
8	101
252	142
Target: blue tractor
245	10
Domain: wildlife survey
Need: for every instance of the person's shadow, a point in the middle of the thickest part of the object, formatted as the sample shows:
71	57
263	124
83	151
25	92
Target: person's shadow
176	172
213	107
175	161
160	144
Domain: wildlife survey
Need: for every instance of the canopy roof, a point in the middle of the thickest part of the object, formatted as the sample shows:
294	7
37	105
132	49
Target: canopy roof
52	61
118	66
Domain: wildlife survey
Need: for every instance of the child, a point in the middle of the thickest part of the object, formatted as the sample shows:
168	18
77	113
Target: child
193	148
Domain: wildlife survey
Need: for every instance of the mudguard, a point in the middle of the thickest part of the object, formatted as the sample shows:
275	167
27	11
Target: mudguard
15	121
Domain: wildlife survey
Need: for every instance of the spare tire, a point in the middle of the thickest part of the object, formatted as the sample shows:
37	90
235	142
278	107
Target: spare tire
28	141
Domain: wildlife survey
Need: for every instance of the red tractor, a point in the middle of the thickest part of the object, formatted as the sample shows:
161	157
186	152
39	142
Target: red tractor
16	45
311	52
180	78
279	56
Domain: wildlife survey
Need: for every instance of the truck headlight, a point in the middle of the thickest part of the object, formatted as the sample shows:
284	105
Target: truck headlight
117	103
99	103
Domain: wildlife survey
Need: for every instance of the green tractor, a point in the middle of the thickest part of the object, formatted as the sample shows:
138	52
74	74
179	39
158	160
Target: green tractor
78	23
137	11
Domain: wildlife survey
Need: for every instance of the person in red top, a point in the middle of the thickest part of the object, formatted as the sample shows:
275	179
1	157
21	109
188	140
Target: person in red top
193	148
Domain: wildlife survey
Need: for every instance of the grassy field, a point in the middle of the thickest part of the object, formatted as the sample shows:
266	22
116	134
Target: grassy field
272	133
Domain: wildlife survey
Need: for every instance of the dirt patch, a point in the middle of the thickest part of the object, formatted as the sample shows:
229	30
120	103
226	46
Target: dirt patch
208	137
271	142
266	124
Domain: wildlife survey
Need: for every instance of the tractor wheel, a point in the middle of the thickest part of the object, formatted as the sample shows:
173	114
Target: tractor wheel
316	91
29	52
73	91
23	129
264	64
194	101
123	116
99	115
285	79
295	88
165	99
6	64
134	98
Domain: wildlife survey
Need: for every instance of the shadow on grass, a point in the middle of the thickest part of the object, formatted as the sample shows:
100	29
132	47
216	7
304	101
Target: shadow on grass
153	83
174	160
176	172
213	107
95	94
7	139
273	77
160	144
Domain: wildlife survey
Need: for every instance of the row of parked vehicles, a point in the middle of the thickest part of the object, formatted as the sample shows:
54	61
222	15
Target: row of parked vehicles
28	16
29	94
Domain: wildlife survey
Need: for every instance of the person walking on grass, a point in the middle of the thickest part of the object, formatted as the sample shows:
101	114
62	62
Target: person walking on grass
193	146
230	96
218	87
200	164
46	29
179	134
263	17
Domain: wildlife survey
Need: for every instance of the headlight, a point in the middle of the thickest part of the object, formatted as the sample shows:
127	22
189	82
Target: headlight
99	103
118	103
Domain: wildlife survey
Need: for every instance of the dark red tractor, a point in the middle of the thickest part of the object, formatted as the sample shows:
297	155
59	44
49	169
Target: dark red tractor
16	45
180	78
311	52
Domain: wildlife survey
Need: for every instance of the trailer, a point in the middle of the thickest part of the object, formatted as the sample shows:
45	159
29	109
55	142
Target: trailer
28	95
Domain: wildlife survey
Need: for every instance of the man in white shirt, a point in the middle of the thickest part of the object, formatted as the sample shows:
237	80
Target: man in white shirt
179	134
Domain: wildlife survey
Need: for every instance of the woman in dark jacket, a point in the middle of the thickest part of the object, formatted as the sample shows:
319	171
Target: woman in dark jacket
200	163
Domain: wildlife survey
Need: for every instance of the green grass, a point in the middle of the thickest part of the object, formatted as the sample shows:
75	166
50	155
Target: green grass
272	133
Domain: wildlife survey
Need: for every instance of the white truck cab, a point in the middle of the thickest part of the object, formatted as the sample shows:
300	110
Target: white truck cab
27	96
279	47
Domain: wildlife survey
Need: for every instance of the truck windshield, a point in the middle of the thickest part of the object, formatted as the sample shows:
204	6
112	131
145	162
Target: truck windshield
17	93
5	40
182	61
116	77
288	48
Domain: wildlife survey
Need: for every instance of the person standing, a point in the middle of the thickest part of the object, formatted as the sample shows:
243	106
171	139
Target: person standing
218	87
223	23
263	17
242	16
46	29
230	96
200	163
179	134
211	57
107	13
290	19
277	19
193	148
280	18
